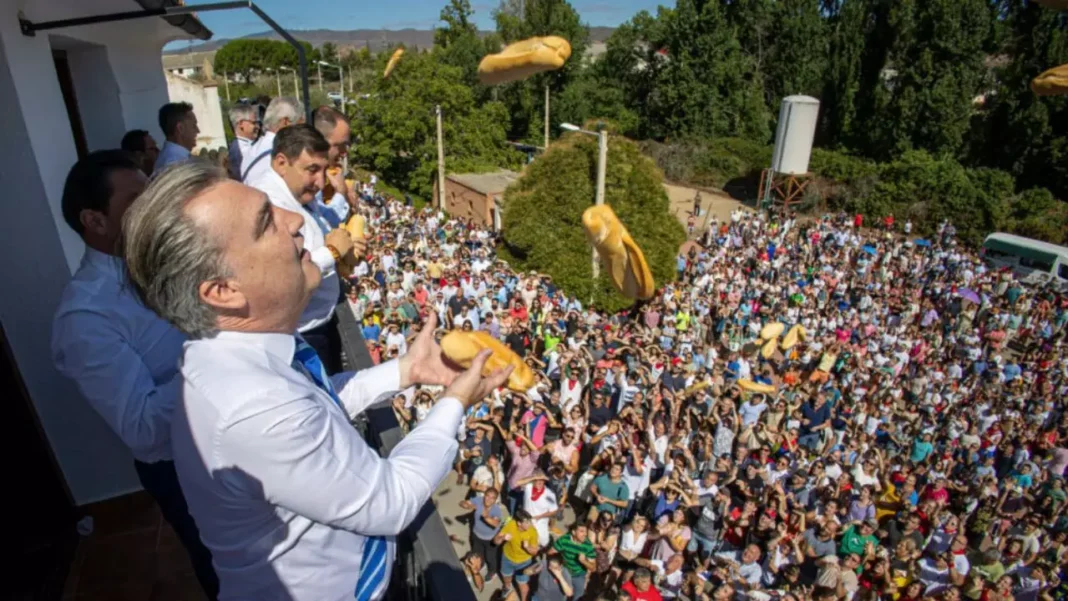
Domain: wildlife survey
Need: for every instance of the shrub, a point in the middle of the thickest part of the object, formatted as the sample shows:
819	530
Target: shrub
542	215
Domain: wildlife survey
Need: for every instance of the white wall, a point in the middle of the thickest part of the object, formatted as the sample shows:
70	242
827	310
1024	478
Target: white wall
36	152
205	101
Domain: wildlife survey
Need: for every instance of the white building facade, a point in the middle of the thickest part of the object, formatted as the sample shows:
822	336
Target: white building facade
63	93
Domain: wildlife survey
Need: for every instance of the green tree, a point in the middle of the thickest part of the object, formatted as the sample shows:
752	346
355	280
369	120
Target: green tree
459	44
1018	131
687	72
525	99
397	132
542	215
935	71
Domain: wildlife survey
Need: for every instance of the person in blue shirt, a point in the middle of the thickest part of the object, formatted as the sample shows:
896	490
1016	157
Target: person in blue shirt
921	449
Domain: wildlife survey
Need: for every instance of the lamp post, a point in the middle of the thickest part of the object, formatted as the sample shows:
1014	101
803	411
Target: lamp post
296	92
341	72
602	162
277	78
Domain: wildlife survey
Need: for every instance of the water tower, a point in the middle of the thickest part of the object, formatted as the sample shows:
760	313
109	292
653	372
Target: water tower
785	181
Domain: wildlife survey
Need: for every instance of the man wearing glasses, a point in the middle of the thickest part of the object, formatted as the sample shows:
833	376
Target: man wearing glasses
245	121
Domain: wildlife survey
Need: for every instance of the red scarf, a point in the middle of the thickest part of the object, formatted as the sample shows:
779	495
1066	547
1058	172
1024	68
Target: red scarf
571	384
536	494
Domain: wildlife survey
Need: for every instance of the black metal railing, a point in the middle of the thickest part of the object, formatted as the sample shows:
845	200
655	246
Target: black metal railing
426	567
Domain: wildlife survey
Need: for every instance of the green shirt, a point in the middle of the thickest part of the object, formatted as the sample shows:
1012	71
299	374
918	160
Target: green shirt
854	542
570	551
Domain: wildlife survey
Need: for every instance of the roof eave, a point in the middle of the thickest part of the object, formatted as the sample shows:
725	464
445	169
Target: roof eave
187	23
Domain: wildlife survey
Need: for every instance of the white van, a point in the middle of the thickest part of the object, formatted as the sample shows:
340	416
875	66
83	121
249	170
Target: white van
1036	262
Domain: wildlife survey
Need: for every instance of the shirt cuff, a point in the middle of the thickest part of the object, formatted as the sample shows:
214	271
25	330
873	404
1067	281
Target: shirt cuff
324	259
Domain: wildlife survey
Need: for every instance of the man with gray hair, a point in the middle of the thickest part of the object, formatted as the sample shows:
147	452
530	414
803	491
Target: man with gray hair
245	121
282	112
287	495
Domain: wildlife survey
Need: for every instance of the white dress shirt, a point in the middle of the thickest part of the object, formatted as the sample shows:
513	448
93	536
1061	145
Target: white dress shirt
321	306
171	153
239	149
283	489
257	160
121	355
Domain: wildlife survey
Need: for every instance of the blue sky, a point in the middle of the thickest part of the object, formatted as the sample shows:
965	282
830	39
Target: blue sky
391	14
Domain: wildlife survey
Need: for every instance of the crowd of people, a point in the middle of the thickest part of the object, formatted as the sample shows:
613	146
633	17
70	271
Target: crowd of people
911	445
914	446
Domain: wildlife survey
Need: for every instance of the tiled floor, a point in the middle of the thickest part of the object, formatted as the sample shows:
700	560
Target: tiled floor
132	555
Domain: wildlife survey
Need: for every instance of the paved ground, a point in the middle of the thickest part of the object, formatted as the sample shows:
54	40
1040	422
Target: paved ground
447	498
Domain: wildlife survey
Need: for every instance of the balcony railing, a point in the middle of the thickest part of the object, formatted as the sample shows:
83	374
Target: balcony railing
426	567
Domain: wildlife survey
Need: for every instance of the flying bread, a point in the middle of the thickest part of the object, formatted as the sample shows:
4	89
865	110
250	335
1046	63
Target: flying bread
462	347
619	253
751	386
1054	4
772	330
356	226
1053	82
397	54
522	59
796	334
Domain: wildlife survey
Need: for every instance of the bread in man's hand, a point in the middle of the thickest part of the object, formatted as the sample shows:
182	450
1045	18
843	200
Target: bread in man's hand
461	347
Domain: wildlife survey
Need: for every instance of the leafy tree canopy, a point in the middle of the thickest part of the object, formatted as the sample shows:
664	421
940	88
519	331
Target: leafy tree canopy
542	215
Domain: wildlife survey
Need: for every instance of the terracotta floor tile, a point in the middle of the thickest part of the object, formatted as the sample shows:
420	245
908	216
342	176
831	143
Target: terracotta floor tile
128	513
118	560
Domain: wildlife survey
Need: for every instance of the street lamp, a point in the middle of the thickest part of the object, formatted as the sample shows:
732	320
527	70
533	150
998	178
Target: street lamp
296	92
341	72
277	78
602	161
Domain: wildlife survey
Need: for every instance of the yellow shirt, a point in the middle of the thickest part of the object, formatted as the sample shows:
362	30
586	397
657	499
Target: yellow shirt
513	549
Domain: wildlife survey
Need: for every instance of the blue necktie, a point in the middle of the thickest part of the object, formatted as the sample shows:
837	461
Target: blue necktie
306	361
373	561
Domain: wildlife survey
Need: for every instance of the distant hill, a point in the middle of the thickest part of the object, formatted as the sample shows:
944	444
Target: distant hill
376	39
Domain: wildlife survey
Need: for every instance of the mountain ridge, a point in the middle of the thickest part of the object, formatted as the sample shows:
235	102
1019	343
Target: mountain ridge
375	39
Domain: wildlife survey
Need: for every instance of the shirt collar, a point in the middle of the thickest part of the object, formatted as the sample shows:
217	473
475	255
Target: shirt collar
109	264
176	149
280	346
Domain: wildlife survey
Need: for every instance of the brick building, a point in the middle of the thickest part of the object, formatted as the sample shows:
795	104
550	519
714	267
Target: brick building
477	196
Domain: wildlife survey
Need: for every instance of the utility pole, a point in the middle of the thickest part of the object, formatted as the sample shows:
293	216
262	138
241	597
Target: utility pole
226	84
441	162
341	75
602	162
320	68
278	79
546	117
296	92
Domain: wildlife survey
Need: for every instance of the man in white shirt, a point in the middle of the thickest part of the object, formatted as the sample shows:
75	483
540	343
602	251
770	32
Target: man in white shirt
281	113
122	356
179	126
290	499
245	121
295	176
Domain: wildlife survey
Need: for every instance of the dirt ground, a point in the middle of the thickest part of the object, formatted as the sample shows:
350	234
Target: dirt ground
714	204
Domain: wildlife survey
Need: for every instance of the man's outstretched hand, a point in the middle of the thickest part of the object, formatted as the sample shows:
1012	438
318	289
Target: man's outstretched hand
425	364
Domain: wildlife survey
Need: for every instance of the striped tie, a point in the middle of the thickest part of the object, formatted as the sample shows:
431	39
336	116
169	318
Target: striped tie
375	548
306	361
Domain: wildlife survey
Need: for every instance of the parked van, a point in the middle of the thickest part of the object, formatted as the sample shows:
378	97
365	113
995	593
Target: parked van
1036	262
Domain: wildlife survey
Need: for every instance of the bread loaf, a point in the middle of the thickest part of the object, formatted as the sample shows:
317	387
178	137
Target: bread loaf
619	253
356	226
772	330
461	347
328	188
522	59
751	386
399	52
1053	82
796	333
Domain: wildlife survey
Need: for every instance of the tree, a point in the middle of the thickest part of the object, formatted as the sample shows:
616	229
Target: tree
396	127
937	62
688	73
460	45
542	215
1018	131
525	99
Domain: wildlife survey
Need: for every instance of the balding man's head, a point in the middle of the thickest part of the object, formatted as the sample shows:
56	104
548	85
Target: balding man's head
335	128
208	254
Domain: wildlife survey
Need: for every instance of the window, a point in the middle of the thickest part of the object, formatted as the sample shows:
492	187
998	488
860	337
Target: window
1039	264
1062	271
997	254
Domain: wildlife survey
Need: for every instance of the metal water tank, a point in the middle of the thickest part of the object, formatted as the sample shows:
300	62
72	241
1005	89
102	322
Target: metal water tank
794	135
